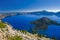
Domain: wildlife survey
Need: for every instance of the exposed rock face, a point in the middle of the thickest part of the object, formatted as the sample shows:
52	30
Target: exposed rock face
8	31
43	23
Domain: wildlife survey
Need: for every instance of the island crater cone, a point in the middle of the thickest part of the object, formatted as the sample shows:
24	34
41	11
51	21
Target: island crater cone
43	23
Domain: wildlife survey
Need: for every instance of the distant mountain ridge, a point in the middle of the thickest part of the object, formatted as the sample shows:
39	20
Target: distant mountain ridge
36	12
44	12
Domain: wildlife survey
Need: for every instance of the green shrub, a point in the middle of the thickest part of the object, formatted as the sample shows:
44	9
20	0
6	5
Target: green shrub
54	38
34	32
2	25
15	38
24	31
40	35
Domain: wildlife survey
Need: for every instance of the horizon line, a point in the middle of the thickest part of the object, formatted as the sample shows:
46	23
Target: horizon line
8	11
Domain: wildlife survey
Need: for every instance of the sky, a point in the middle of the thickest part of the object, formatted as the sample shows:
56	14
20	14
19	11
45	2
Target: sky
29	5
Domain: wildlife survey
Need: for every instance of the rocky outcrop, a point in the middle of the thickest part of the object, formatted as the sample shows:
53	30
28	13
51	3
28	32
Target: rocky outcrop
8	31
43	23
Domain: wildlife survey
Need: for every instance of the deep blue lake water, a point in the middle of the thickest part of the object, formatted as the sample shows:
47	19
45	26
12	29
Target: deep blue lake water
23	22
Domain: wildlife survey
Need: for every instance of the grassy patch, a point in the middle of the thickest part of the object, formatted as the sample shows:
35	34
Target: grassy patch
2	25
40	35
24	31
15	38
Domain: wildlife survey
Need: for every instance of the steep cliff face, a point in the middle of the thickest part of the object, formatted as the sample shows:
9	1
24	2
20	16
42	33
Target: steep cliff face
8	33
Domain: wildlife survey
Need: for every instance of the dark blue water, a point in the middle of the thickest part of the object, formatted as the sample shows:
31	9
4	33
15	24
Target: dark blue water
23	22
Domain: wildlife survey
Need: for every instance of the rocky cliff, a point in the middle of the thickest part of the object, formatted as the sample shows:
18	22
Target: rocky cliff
8	33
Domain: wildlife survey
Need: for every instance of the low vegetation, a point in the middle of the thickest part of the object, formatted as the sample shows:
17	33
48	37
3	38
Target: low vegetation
15	38
54	38
24	31
2	25
40	35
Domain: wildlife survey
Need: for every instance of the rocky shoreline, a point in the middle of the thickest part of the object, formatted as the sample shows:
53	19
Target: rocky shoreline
8	31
